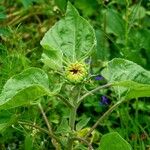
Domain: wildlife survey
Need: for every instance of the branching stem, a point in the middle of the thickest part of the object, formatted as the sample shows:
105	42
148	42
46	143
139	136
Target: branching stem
45	118
93	91
54	139
107	113
65	101
84	141
39	128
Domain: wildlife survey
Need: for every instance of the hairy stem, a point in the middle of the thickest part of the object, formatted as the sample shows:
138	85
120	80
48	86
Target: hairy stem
73	111
84	141
107	113
72	118
54	141
45	118
65	101
70	144
39	128
92	91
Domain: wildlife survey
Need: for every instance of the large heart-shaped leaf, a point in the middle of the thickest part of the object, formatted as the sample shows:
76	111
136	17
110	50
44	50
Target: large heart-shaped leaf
113	141
70	39
24	88
130	80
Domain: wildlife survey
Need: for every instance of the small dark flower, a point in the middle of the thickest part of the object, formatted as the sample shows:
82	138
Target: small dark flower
104	101
99	77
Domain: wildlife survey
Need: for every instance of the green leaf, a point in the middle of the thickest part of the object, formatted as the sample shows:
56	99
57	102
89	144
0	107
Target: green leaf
113	141
114	23
52	58
88	7
140	39
24	88
6	120
103	52
64	127
2	126
70	39
131	89
130	80
61	4
82	123
2	13
28	143
137	12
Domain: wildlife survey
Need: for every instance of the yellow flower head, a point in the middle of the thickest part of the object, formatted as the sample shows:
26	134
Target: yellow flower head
76	72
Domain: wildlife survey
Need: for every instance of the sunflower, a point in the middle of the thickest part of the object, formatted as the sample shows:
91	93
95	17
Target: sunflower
76	72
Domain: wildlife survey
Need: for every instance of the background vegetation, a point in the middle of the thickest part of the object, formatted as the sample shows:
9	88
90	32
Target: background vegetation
122	29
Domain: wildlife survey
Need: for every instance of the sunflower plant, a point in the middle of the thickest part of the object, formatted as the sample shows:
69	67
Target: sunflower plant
66	76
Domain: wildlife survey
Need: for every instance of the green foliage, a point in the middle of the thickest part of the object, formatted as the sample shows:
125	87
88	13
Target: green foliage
113	141
61	4
28	142
115	23
6	120
63	128
132	80
138	12
65	41
24	89
87	6
2	13
75	113
82	123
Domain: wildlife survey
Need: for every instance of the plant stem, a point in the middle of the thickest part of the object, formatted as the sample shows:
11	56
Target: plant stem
136	109
45	118
126	25
72	120
70	144
54	141
107	113
65	101
73	111
93	91
39	128
72	117
84	141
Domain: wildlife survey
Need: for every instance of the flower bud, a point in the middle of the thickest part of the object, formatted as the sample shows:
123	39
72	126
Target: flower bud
76	72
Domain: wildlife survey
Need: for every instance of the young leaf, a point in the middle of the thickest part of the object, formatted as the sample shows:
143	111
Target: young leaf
64	127
70	39
113	141
82	123
137	12
129	79
52	58
24	88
